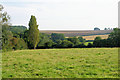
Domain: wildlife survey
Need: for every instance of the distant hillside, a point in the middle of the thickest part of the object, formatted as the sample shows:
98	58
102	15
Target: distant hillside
18	29
73	33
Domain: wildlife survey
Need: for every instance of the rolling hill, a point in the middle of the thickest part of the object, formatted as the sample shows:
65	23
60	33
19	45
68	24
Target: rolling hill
74	33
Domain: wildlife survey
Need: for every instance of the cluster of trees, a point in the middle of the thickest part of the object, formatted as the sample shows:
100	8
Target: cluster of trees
112	41
96	29
19	37
8	39
108	28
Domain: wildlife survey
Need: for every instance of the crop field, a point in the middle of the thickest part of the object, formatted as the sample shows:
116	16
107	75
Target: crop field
92	37
74	33
61	63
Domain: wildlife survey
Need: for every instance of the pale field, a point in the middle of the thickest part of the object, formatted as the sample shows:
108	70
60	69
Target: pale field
92	37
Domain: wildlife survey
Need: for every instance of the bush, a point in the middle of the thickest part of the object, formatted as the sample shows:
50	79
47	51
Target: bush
74	40
90	45
66	44
55	37
49	44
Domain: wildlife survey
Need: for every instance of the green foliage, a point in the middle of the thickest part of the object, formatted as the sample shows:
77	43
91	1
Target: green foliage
33	32
74	40
56	36
66	44
21	44
115	37
4	17
44	38
112	41
18	43
81	39
49	44
18	29
97	41
58	43
90	45
6	36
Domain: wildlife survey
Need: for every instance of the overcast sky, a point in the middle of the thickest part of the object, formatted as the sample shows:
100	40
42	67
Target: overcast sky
64	14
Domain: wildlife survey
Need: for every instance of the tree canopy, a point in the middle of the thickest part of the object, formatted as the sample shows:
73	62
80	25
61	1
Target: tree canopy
33	32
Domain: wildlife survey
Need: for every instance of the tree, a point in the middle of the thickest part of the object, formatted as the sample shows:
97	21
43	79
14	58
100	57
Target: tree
115	37
66	44
81	39
96	28
89	45
105	29
55	37
49	44
74	40
18	29
43	39
58	43
97	42
5	34
33	32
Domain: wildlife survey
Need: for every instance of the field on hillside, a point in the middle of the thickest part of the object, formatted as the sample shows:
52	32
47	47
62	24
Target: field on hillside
61	63
92	37
74	33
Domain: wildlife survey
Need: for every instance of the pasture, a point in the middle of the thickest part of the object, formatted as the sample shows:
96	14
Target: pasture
61	63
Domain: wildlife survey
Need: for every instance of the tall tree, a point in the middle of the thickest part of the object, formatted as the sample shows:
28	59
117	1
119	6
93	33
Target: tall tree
33	32
115	37
6	35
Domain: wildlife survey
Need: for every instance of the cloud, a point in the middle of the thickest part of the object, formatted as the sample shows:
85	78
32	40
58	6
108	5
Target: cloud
64	14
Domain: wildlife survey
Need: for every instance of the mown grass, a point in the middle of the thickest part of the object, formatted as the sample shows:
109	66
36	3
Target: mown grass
61	63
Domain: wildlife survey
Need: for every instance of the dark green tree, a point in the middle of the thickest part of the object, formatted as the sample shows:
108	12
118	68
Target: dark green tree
74	40
67	44
56	36
115	37
81	39
90	45
5	34
33	32
97	42
43	39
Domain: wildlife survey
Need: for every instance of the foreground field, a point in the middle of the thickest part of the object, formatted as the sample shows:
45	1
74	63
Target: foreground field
61	63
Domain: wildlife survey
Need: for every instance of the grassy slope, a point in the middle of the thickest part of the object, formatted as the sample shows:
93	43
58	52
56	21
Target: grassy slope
61	63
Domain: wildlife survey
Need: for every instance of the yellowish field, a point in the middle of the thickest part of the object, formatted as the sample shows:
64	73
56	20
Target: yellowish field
92	37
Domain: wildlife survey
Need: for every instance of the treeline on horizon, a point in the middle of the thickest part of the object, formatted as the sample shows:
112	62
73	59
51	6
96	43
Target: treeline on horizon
19	40
19	37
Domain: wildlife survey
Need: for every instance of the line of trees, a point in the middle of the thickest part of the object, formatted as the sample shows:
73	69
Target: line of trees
32	38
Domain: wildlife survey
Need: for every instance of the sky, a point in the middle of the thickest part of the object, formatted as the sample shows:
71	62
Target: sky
64	14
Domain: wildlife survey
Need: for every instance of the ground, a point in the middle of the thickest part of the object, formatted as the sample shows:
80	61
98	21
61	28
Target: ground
61	63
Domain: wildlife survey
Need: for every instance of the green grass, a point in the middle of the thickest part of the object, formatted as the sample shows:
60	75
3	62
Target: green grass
61	63
86	43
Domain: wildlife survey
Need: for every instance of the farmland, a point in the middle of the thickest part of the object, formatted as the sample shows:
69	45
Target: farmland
74	33
61	63
92	37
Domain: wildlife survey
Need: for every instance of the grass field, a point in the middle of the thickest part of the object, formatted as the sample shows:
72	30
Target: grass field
61	63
